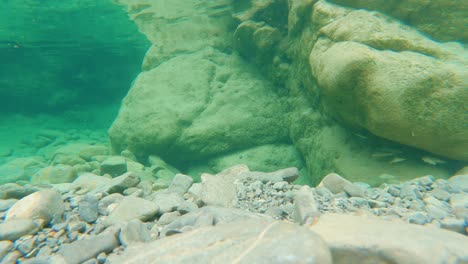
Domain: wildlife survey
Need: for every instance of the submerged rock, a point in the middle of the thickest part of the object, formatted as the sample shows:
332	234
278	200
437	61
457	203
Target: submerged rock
232	242
45	205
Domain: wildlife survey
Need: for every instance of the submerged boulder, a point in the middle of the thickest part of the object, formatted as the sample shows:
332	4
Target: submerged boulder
394	82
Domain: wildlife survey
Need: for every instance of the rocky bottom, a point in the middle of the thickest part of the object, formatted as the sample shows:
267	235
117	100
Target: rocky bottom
235	216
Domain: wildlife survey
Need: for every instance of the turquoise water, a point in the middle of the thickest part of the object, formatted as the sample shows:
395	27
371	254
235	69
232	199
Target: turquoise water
204	85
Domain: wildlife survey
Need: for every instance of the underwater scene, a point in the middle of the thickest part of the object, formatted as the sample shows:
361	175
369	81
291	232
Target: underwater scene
233	131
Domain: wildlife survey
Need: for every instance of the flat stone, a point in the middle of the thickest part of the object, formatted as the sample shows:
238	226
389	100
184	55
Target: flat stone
131	207
305	206
453	224
168	201
14	229
91	181
218	190
134	232
45	204
180	184
440	194
359	239
114	166
459	200
108	200
289	175
123	182
83	250
250	241
337	184
167	218
88	208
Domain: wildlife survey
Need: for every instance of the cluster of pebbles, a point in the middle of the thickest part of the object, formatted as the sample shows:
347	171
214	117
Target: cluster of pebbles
94	219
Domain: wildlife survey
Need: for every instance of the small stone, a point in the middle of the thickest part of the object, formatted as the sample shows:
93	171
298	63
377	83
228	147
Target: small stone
168	202
25	246
167	218
131	207
377	204
88	208
128	154
78	226
436	212
354	190
305	206
123	182
417	218
411	192
16	228
83	250
187	207
180	184
453	224
134	191
108	200
459	200
134	232
426	181
101	258
114	166
334	182
280	185
392	190
440	194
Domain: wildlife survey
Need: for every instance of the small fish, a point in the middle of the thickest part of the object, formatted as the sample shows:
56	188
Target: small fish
361	136
432	160
396	160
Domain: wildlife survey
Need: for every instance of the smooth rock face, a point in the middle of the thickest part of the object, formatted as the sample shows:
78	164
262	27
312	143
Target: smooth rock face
274	242
358	239
45	204
357	74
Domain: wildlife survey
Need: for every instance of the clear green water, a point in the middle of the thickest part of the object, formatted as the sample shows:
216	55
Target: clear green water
66	65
